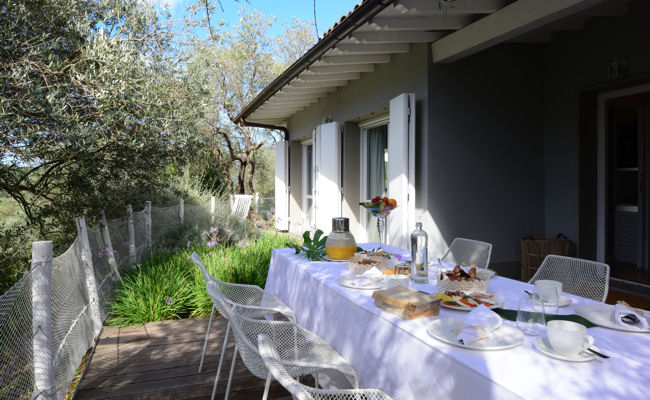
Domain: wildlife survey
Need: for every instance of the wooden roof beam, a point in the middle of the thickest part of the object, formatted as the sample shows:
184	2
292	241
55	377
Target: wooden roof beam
353	59
457	7
335	69
396	37
379	48
430	23
509	22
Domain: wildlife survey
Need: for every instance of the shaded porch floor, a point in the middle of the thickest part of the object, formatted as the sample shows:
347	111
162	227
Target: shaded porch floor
160	360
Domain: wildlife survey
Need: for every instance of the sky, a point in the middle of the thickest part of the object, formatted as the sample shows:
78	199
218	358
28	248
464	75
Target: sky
327	11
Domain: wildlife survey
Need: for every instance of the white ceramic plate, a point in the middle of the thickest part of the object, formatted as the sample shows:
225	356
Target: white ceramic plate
601	315
337	261
498	304
362	282
446	330
544	346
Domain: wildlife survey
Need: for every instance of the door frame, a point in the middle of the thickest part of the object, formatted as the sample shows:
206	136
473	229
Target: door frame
601	160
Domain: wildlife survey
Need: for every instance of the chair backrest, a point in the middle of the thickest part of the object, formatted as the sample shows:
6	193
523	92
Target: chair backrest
584	278
269	355
212	286
240	204
288	337
468	252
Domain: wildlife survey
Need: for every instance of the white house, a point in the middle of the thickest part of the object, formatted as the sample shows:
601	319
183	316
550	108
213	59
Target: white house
485	119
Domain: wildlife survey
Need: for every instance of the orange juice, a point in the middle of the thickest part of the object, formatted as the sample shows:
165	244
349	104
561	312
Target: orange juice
340	253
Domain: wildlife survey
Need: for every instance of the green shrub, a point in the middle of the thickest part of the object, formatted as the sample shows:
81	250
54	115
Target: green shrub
170	285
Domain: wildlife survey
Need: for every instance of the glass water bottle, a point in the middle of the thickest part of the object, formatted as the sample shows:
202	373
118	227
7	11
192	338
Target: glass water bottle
419	255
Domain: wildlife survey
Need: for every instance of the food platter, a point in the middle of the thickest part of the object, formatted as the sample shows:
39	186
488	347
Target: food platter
446	330
468	303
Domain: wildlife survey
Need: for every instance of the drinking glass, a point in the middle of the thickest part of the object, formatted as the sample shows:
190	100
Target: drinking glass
552	300
530	315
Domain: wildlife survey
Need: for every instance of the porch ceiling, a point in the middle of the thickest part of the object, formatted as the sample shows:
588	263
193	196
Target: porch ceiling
466	27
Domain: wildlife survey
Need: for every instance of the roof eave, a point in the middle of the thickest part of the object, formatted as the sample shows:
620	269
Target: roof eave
363	13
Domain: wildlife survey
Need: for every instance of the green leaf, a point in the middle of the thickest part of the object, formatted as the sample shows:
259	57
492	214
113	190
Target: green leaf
317	235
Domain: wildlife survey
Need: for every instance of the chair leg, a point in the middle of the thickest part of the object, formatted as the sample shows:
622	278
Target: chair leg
223	352
232	370
267	386
205	342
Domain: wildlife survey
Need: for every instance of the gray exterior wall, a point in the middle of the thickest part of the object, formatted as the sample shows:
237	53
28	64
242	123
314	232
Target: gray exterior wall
486	161
405	73
575	62
498	135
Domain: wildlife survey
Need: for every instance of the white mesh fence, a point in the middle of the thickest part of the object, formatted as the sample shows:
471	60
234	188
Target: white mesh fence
76	318
16	372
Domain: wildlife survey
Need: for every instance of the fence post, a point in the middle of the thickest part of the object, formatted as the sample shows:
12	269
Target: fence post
181	209
91	283
212	206
147	223
42	346
129	219
257	203
109	245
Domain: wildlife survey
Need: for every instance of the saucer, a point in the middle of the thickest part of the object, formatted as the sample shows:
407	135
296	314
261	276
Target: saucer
544	346
563	302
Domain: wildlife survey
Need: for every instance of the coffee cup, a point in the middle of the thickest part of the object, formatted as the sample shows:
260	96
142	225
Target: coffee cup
549	291
568	338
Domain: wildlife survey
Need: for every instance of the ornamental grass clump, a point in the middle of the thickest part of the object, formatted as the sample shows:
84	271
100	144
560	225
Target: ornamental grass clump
170	285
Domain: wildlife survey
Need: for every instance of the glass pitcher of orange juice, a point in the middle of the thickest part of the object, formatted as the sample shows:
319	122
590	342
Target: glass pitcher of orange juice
340	244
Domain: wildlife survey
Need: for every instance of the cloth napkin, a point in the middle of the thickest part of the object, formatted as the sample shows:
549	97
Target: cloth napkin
480	322
367	278
623	309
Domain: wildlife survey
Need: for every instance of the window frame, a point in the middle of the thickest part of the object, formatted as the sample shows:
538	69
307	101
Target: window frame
307	220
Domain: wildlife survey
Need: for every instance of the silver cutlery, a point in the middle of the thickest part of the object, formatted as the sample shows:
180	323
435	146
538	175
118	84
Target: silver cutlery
599	354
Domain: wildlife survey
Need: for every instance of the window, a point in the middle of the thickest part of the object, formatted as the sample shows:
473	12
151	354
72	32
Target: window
374	168
307	185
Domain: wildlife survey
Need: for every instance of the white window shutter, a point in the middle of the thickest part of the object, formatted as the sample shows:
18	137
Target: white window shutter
282	186
401	168
327	174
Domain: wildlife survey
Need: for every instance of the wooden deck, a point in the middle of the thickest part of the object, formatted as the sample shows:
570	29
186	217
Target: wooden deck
161	361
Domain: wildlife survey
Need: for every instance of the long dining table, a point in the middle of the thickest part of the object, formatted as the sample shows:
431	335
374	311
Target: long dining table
401	358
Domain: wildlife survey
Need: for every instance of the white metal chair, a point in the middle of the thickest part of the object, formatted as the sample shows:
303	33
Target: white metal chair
468	252
259	302
240	204
584	278
276	367
301	351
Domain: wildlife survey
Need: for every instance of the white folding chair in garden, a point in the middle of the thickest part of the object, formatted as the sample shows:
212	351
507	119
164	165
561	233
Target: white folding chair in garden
301	351
584	278
468	252
240	204
259	302
277	367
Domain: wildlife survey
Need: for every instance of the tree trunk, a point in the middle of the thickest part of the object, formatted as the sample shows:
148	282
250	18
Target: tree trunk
251	177
241	177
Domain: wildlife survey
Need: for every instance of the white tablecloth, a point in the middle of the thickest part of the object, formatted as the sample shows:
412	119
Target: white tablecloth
401	358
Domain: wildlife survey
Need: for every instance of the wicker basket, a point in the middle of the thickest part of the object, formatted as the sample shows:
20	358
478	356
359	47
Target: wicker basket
535	250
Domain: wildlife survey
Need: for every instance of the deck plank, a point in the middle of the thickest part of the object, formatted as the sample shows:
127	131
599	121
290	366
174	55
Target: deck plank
160	360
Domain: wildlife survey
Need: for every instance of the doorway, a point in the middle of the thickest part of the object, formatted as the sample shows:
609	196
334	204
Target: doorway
627	173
